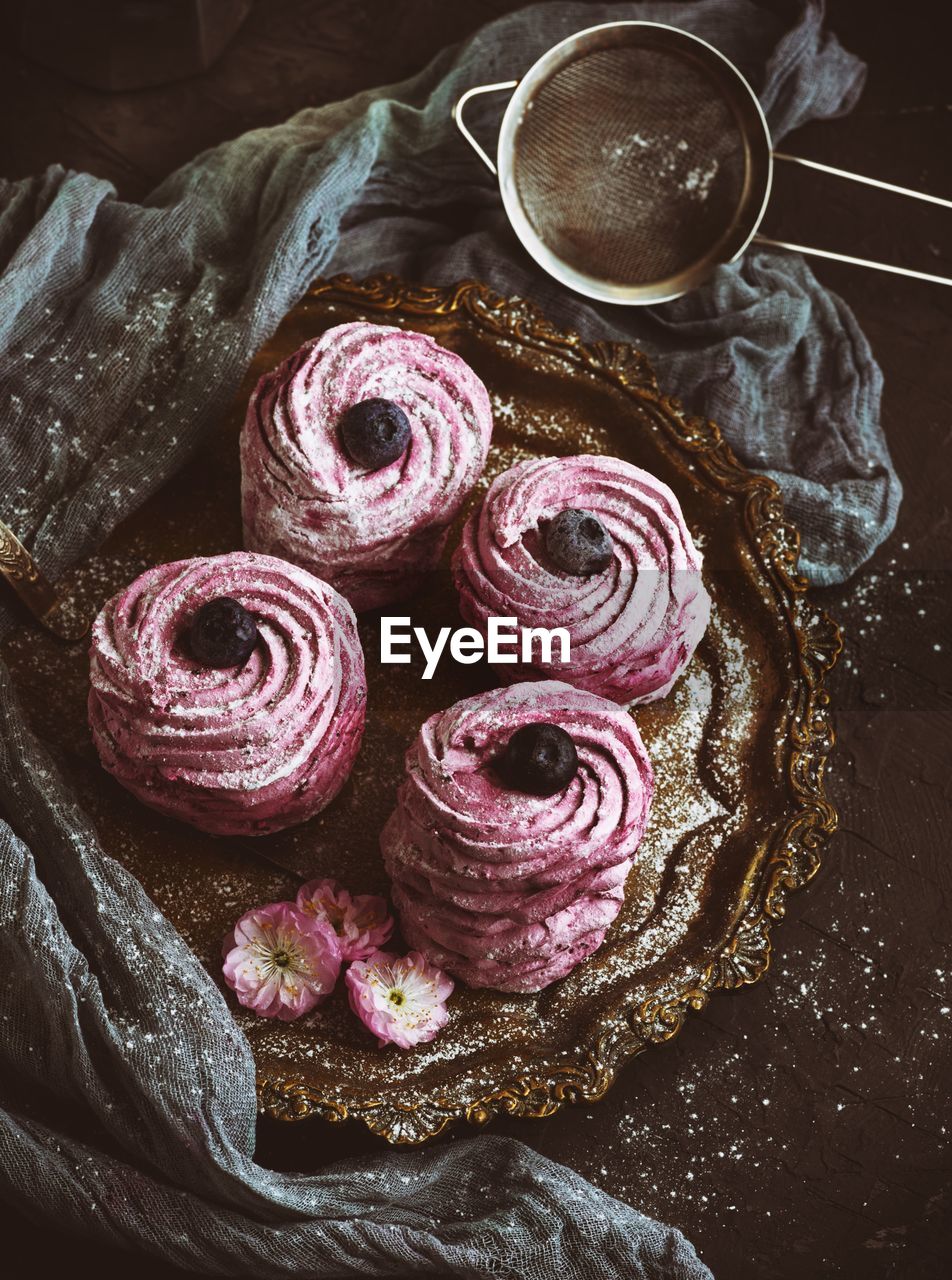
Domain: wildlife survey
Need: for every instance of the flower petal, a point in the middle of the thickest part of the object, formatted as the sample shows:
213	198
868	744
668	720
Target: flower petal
281	962
402	1000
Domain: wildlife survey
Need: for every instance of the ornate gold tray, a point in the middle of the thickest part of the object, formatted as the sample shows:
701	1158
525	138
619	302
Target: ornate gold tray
739	747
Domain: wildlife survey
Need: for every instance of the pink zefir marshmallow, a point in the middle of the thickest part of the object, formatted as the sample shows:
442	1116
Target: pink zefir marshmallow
633	628
502	888
372	534
244	750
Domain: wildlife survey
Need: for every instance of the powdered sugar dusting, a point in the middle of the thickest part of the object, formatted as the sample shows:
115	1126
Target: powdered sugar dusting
372	534
700	738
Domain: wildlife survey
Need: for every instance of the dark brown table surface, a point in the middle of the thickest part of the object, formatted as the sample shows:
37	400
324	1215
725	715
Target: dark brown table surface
798	1128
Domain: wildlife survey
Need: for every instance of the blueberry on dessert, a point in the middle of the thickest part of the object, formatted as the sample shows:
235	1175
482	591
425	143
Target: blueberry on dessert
540	759
222	634
578	542
375	433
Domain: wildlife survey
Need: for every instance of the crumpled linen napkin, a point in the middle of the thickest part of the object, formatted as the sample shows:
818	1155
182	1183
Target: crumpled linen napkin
123	330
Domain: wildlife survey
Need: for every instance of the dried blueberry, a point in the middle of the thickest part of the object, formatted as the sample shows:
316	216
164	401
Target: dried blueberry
222	634
539	758
577	542
374	433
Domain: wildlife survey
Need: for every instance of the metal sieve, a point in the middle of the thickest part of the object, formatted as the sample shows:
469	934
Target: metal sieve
633	158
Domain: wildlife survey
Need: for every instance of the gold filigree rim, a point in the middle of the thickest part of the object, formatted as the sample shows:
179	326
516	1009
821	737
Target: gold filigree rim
23	574
791	850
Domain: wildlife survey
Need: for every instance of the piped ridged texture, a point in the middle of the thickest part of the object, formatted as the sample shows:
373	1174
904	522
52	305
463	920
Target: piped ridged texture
372	534
501	888
632	628
244	750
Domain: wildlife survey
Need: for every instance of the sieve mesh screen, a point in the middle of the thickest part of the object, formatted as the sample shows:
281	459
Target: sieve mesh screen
630	164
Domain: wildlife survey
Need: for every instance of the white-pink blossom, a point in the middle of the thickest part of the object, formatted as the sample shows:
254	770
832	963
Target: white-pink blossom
281	962
362	922
402	1000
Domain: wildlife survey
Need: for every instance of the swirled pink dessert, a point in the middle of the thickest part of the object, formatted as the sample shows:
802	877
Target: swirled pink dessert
228	692
503	880
596	546
357	453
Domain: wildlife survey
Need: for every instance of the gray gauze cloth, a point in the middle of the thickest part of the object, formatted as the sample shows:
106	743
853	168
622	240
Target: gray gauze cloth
123	330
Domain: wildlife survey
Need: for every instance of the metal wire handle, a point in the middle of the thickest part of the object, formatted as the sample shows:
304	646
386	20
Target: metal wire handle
777	155
461	124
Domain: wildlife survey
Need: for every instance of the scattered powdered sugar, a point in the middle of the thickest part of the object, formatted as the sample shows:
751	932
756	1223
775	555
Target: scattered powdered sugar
698	738
667	159
666	893
698	181
371	533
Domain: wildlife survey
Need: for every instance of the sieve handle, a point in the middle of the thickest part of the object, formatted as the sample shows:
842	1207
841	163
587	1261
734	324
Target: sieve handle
461	125
861	177
848	257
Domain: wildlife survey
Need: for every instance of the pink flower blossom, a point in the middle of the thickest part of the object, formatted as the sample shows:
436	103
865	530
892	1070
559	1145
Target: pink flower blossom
281	962
402	1000
362	924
